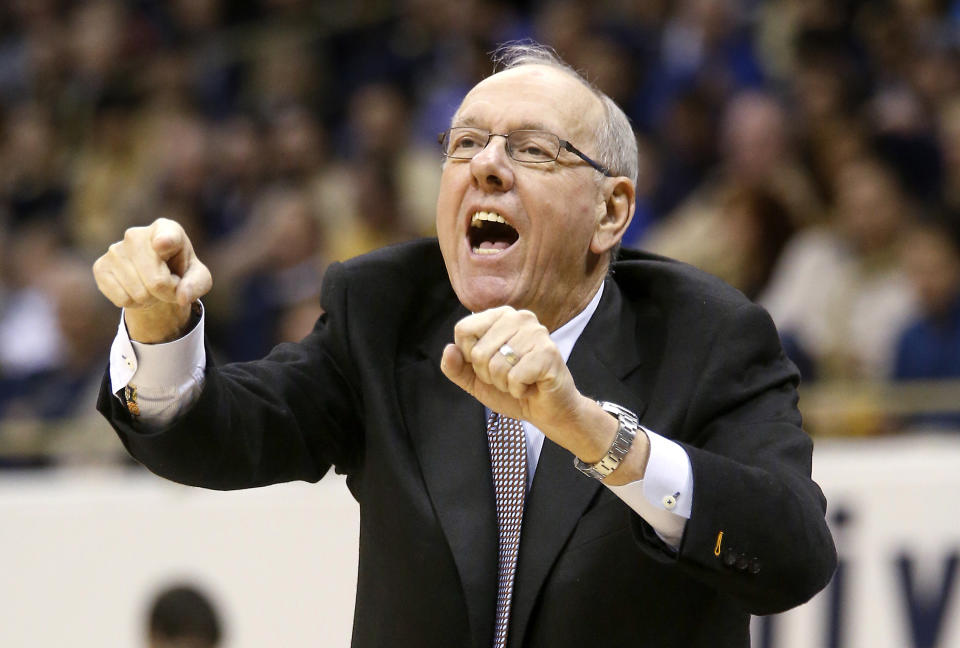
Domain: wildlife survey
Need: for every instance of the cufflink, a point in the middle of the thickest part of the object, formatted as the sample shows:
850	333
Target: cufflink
670	501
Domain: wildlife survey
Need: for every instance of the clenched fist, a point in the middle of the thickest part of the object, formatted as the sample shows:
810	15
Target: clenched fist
529	382
155	276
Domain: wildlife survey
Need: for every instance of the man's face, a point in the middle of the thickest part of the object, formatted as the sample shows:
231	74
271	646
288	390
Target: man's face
540	258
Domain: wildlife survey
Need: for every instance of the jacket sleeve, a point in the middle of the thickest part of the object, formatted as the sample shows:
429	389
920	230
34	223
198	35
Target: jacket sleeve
289	416
757	530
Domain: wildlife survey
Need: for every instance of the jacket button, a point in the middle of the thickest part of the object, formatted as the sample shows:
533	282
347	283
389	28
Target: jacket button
729	558
755	566
742	563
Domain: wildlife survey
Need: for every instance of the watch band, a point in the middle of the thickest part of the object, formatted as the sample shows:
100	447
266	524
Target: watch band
626	433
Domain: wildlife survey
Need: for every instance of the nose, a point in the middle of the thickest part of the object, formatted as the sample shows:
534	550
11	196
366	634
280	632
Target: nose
491	168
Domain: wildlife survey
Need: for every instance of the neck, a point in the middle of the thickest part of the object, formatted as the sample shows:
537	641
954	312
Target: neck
571	307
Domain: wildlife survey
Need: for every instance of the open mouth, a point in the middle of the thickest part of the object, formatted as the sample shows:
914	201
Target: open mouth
490	234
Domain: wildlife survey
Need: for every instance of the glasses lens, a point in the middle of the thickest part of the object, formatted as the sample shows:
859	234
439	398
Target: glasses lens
464	142
533	146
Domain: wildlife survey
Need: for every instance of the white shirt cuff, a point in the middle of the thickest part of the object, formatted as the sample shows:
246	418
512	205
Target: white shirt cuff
165	378
664	497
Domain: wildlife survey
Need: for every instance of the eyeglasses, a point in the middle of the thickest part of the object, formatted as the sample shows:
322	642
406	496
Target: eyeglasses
531	146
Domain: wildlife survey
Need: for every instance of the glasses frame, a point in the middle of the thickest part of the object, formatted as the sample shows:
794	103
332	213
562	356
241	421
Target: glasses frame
564	146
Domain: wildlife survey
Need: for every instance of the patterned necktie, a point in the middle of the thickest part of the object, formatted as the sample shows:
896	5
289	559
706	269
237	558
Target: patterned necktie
508	457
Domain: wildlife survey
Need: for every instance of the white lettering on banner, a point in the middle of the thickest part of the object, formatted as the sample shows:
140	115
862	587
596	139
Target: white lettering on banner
894	516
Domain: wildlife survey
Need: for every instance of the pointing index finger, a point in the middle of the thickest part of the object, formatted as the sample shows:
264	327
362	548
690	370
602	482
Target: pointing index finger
168	239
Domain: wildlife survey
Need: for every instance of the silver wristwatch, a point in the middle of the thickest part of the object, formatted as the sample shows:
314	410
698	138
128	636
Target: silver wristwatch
620	446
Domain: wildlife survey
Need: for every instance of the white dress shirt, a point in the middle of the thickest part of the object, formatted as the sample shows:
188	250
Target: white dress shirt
165	379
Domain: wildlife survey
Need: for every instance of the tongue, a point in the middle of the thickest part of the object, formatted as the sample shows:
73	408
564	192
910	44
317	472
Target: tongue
494	245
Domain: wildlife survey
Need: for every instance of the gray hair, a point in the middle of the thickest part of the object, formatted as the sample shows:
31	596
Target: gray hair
615	141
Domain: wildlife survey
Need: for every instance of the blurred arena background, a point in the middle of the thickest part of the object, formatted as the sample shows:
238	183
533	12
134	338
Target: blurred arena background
807	151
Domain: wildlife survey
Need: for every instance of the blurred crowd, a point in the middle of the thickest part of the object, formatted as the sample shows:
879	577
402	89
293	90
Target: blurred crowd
807	151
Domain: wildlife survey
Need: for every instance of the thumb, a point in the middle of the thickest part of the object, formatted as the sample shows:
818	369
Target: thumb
195	282
455	367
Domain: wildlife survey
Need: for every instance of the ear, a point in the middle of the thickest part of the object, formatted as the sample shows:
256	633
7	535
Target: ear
619	203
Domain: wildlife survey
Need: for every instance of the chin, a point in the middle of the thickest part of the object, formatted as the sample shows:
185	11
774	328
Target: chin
480	294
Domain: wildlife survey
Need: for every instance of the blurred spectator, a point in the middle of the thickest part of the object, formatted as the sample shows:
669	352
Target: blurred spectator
758	151
385	190
297	145
106	173
736	223
175	167
929	347
269	273
949	132
705	46
237	176
54	406
200	58
755	228
838	292
32	169
30	341
904	138
182	616
563	25
688	151
285	72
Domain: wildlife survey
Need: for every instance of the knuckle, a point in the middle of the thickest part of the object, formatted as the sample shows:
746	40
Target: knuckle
139	293
464	333
476	354
132	234
463	325
527	316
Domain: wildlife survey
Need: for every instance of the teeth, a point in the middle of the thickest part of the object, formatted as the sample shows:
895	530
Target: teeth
486	216
477	250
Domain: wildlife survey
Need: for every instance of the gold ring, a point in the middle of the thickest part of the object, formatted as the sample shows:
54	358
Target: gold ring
507	352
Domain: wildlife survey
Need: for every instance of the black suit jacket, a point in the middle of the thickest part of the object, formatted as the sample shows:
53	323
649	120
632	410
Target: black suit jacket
364	393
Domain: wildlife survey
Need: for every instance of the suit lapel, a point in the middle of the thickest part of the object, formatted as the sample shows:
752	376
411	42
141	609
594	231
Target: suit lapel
448	432
606	353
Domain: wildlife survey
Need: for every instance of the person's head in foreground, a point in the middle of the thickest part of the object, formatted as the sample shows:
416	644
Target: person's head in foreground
182	617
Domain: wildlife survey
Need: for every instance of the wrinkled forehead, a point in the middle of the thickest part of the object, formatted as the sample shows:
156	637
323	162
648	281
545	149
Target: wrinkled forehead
534	96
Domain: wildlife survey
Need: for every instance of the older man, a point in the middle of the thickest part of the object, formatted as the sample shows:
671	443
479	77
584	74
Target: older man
455	385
